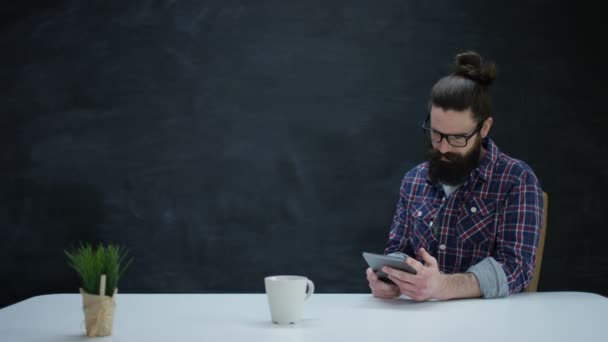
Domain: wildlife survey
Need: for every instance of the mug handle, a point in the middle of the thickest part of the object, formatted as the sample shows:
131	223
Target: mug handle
310	289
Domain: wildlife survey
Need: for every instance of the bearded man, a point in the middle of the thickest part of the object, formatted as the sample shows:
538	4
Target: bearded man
470	217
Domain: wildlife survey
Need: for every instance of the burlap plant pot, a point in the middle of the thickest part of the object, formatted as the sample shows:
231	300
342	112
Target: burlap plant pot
98	311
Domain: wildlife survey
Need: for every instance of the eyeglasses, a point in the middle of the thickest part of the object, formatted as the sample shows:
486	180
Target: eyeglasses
456	140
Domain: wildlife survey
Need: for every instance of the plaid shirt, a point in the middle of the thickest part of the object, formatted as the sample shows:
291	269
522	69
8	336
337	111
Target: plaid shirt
496	213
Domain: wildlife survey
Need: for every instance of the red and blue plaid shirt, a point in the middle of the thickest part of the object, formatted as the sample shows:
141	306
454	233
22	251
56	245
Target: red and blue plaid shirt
496	213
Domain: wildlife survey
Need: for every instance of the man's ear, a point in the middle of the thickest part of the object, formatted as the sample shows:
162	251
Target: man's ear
485	129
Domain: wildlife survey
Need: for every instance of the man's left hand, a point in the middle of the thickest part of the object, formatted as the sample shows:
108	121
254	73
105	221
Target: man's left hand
427	284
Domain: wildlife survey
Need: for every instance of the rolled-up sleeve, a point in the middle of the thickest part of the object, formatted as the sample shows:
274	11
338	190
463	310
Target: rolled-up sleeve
491	278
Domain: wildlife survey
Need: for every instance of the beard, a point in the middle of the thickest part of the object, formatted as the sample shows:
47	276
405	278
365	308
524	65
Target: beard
457	168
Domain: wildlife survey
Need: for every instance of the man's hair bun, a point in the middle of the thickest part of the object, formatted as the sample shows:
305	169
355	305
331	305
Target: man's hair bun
470	65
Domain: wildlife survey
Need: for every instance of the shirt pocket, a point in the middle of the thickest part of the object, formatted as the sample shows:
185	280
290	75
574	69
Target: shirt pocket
476	221
421	221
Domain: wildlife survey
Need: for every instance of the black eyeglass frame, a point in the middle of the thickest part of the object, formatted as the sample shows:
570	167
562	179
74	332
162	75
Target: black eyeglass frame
429	131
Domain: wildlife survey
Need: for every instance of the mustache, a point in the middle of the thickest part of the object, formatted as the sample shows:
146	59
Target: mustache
439	157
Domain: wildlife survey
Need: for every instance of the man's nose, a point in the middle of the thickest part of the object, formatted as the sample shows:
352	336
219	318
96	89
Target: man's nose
444	146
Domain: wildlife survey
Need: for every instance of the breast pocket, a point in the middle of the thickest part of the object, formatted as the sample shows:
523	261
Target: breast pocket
476	222
421	217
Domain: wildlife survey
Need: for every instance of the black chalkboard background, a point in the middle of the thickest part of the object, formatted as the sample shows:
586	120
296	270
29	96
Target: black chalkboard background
223	141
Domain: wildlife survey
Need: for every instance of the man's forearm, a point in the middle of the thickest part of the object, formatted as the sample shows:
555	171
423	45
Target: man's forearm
460	285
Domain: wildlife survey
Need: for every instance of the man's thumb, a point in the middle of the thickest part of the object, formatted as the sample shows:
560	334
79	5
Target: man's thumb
427	258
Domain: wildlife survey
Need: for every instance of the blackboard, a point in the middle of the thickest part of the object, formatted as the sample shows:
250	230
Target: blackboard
223	141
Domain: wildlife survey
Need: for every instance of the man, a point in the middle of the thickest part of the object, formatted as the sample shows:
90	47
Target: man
469	217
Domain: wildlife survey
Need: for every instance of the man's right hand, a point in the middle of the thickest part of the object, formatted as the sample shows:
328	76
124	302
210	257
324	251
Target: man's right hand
381	289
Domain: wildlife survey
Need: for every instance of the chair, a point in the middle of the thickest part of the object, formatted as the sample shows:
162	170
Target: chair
533	286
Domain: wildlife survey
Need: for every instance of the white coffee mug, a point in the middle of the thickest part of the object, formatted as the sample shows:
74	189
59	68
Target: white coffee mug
286	296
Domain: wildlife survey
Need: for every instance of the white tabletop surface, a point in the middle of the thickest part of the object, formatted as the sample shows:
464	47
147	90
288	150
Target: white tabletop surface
548	316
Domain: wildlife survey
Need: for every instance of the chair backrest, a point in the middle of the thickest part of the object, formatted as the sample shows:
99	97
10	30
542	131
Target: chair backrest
533	286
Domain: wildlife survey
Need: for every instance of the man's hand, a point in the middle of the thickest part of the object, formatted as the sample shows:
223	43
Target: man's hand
427	284
381	289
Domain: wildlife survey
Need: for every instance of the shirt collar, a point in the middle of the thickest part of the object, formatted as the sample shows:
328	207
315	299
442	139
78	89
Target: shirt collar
485	166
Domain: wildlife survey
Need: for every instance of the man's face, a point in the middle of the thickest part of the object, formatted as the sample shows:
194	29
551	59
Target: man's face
452	165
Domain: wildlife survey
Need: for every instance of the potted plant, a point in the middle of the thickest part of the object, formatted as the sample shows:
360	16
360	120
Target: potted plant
99	270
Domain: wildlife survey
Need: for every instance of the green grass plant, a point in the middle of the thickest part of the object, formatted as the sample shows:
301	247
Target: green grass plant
91	263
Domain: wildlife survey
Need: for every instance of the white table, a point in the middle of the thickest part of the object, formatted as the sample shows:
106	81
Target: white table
549	316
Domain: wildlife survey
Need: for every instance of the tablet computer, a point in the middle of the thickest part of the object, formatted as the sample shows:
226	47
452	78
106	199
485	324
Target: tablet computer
377	261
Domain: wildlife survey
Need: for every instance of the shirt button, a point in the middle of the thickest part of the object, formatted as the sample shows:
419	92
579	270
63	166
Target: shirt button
431	224
473	209
442	247
419	213
443	199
